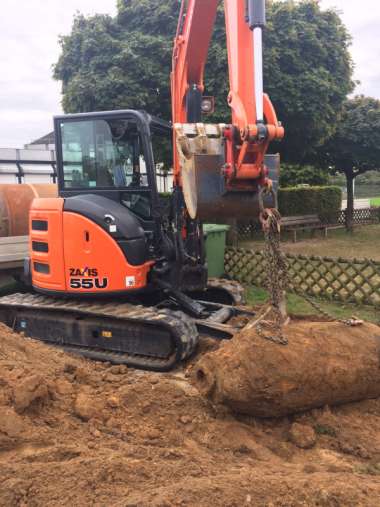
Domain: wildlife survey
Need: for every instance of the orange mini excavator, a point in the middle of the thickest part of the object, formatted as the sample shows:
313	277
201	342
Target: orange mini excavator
119	273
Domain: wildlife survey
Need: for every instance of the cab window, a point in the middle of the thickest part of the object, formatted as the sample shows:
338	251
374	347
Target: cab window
102	154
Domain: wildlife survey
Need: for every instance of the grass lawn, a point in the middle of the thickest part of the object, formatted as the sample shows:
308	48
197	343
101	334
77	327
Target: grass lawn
363	243
375	201
298	306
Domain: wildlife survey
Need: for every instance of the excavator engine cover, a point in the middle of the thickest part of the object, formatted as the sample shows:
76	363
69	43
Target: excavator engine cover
73	252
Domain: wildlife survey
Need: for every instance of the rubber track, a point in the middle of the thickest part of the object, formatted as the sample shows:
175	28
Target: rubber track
183	331
235	289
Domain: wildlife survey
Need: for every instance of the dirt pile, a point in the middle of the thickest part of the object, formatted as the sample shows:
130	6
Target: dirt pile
78	433
324	363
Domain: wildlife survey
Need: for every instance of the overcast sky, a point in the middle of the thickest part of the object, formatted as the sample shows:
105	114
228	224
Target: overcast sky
29	32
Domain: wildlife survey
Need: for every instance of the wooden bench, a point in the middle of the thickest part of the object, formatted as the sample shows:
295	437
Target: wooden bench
305	222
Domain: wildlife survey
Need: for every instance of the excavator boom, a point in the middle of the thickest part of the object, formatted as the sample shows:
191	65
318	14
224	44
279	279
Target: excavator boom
228	157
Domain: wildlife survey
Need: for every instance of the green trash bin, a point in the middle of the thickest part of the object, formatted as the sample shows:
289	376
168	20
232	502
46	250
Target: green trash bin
215	238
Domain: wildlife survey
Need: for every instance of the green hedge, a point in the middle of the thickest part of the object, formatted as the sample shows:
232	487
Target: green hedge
325	202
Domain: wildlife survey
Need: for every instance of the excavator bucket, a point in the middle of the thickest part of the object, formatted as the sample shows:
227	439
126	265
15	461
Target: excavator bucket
201	152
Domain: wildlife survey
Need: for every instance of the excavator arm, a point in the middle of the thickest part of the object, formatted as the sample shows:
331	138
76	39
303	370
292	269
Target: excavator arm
216	164
190	53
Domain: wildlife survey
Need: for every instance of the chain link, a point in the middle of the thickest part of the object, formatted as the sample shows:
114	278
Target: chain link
276	278
274	316
326	315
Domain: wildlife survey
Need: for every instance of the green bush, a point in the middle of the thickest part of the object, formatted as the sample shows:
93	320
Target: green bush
322	201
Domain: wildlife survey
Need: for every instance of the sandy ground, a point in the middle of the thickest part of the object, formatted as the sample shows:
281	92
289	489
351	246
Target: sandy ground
79	433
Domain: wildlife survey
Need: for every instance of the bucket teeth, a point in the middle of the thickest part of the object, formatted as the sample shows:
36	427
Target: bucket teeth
191	130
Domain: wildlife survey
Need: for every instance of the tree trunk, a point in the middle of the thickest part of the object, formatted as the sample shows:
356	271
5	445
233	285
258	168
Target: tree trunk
325	363
350	200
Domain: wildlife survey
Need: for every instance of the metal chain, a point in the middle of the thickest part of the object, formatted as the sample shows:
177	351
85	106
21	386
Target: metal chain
316	306
276	276
328	316
277	281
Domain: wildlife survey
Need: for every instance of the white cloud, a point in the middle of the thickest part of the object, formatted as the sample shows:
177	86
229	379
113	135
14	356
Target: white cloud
362	19
29	31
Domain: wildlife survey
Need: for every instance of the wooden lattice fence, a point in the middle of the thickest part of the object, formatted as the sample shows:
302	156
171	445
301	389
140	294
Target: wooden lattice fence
345	280
360	216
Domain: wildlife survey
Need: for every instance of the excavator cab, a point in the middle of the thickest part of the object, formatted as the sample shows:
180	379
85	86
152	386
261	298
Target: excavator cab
110	154
108	232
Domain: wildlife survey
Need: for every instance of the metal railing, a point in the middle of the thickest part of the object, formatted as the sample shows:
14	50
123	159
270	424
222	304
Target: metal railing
39	166
27	166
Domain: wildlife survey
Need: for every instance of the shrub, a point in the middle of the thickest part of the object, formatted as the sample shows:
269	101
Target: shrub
322	201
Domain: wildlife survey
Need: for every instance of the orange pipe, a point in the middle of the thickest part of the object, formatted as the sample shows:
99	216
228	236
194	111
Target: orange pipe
15	202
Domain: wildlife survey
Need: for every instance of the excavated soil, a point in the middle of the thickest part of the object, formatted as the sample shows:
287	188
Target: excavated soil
79	433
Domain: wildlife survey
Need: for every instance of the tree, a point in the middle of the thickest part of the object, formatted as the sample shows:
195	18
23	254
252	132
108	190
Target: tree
308	72
292	175
103	66
124	62
355	147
